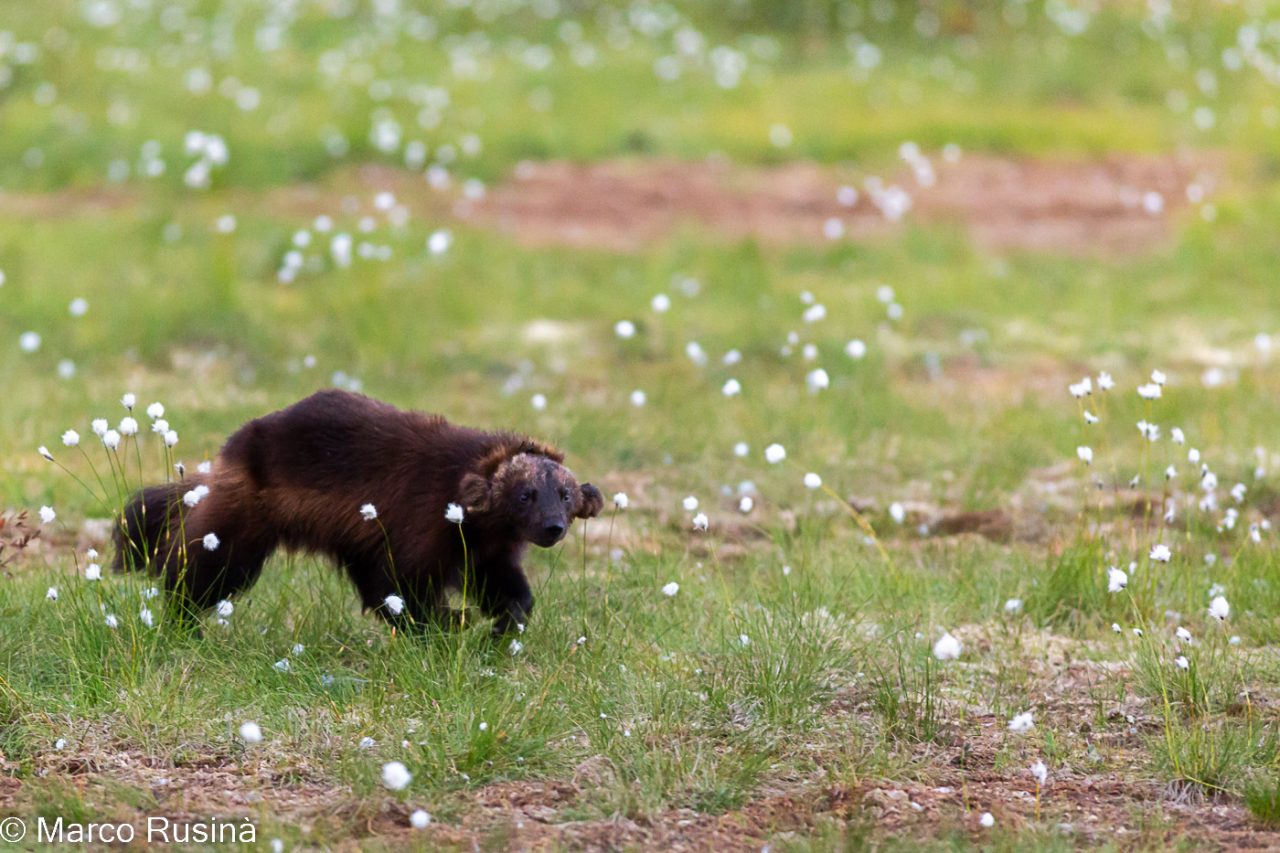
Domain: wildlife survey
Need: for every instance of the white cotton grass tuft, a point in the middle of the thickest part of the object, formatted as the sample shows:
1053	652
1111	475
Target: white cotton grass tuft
51	594
700	521
625	329
947	647
1040	772
1161	553
396	775
71	438
368	512
775	453
690	503
394	604
111	439
621	501
29	342
211	541
812	481
987	820
1117	579
1219	608
128	426
1013	606
250	732
454	514
419	819
93	572
1022	723
129	401
670	589
155	411
439	242
224	608
47	515
1085	454
1181	662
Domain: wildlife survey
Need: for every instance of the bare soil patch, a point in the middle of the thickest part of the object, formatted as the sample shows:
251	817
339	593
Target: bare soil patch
1114	205
65	203
1070	206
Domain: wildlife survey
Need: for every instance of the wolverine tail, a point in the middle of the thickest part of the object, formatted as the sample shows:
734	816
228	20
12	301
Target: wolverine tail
144	533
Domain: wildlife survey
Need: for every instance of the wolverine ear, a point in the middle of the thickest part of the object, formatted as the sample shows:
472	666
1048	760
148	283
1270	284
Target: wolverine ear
474	493
590	502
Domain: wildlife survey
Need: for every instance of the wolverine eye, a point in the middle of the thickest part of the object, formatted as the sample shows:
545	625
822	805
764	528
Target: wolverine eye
564	495
525	497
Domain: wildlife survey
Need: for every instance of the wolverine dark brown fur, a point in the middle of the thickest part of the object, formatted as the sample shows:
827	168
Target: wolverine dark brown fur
299	477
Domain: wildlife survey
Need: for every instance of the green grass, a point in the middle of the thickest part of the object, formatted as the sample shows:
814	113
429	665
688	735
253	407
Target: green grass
774	703
1263	798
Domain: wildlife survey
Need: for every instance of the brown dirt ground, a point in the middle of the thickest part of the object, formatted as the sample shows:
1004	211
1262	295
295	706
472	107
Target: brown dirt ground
1082	207
1068	206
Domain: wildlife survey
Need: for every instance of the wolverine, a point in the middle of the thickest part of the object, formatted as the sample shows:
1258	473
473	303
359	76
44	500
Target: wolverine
369	485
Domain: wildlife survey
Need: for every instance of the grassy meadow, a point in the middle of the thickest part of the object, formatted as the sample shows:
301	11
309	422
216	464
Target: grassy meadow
225	205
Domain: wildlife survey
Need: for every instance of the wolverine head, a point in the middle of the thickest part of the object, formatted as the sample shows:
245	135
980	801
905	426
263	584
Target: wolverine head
532	493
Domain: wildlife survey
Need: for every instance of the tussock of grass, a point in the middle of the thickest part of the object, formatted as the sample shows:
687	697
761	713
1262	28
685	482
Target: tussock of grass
1262	796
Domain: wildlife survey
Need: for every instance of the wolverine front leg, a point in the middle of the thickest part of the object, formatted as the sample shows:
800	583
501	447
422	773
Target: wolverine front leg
504	595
